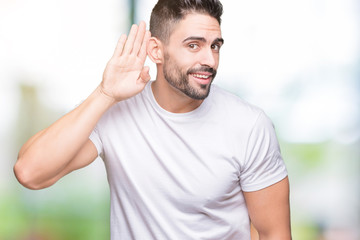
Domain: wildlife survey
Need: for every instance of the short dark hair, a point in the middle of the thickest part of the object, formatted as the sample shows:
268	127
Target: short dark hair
167	13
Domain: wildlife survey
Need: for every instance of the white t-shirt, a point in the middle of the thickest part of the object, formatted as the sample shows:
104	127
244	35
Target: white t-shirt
181	176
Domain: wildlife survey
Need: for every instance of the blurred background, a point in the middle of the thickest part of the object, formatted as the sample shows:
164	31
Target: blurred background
299	60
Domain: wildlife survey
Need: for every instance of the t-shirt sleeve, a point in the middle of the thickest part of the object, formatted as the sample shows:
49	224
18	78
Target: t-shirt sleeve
95	138
263	164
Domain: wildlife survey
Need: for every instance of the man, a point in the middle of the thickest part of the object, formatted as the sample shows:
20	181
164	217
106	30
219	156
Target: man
184	159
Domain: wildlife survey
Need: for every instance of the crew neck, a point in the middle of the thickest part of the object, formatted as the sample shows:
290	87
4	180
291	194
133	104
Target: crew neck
197	112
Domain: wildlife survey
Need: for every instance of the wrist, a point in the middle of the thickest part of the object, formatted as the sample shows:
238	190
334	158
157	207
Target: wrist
104	97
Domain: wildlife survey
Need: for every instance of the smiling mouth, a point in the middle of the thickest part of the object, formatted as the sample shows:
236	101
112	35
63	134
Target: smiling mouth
202	79
202	75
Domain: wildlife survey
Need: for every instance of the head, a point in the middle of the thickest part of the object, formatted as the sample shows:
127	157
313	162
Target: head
188	35
167	13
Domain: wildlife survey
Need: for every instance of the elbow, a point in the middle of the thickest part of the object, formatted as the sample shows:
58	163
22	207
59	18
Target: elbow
25	176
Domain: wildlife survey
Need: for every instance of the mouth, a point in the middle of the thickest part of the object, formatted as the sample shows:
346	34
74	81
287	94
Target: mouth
203	78
202	75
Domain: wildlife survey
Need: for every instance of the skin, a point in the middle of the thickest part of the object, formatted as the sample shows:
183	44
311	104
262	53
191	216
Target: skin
65	146
194	44
269	212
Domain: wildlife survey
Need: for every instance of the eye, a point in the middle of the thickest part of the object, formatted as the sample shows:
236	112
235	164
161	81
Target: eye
215	47
193	46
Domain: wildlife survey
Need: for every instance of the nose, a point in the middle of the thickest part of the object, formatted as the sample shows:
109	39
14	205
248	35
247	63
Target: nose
209	58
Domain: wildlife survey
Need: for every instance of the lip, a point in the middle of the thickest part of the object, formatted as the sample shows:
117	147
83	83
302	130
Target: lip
202	78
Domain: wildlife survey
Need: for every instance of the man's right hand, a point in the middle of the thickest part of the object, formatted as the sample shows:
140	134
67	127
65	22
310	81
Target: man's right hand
125	74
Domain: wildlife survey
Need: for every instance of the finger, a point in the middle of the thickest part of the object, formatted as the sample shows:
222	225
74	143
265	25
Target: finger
130	40
139	37
120	45
144	75
143	51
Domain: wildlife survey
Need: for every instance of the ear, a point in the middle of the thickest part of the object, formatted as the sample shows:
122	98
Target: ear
155	50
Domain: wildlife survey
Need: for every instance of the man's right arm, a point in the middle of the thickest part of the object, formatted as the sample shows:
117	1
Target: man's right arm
54	152
65	145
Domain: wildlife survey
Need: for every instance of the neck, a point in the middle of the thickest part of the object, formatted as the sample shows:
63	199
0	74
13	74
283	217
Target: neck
172	99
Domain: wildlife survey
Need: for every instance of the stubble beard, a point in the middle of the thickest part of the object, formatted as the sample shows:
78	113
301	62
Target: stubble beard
180	79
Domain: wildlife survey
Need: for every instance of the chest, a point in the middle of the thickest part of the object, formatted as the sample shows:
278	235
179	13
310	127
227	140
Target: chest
190	165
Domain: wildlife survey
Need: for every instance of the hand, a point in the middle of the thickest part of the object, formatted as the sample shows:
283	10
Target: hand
125	74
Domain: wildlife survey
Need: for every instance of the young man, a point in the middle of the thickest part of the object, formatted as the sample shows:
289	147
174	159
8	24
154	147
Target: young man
183	161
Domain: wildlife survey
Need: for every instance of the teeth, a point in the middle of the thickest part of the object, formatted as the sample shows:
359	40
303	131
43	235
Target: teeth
200	76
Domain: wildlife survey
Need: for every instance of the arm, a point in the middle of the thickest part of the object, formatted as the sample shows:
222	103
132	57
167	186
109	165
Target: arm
253	233
65	145
269	211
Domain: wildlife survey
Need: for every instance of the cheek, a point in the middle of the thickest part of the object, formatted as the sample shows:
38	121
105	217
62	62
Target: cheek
184	59
217	63
184	63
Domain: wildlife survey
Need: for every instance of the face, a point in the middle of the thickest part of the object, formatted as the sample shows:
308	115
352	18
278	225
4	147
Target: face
191	56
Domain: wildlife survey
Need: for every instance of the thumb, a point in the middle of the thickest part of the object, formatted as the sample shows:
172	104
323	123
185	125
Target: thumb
144	75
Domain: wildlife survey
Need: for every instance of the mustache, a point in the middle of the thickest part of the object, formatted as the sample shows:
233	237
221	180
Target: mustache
202	69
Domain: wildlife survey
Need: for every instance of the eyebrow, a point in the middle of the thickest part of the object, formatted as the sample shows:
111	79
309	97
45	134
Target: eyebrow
201	39
218	40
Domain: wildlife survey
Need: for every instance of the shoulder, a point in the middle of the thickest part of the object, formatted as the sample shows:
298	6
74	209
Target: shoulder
233	106
125	109
239	115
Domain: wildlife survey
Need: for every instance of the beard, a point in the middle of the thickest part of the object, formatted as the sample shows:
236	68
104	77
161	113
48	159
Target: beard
179	79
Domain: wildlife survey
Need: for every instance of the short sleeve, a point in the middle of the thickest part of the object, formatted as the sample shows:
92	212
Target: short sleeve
263	164
95	138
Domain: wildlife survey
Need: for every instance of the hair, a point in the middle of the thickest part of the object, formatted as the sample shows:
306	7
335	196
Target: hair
167	13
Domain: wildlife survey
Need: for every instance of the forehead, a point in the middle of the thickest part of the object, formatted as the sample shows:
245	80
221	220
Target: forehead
195	24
